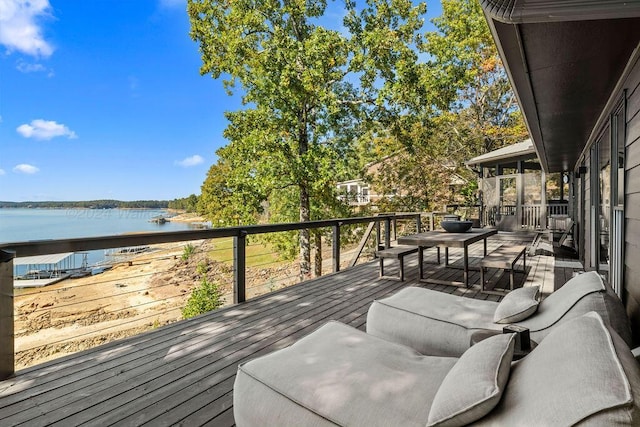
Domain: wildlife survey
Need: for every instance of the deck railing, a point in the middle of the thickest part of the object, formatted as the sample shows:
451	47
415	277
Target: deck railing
531	216
9	251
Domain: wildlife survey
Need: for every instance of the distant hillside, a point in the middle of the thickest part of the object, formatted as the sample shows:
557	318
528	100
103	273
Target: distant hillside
91	204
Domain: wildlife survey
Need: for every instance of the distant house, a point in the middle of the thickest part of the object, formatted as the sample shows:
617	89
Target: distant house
356	192
362	191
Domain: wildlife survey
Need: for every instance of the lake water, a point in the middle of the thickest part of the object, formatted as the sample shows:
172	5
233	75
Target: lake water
18	225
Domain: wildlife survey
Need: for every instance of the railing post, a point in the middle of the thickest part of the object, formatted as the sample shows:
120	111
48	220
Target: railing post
239	264
418	223
387	233
395	228
378	236
7	357
336	247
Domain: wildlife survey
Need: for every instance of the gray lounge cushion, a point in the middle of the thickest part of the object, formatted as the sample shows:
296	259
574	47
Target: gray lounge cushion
473	387
432	322
442	324
517	305
582	374
574	375
556	305
338	375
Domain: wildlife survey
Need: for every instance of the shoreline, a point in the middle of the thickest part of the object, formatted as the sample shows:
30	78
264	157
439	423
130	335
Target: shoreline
142	293
186	217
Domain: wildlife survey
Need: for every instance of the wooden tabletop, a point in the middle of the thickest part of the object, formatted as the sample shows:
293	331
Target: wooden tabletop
444	238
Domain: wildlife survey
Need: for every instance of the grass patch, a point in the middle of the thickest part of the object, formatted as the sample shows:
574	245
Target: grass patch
257	254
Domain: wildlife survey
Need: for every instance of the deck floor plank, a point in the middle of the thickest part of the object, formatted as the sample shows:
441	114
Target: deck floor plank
173	389
183	374
185	333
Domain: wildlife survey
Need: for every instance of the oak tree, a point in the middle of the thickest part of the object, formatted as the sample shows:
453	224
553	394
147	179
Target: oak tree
308	92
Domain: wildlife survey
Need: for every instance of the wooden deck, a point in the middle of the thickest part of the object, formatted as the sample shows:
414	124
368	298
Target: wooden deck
183	374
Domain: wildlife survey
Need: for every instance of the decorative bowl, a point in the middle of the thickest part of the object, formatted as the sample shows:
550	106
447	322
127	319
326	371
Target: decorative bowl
456	226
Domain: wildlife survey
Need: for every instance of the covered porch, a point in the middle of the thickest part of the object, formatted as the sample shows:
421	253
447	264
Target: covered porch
183	374
515	193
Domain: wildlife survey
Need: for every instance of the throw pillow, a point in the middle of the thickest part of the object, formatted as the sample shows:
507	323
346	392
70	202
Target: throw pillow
474	385
517	305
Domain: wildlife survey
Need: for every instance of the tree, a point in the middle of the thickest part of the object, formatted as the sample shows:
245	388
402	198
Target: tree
189	204
473	111
479	108
228	198
308	91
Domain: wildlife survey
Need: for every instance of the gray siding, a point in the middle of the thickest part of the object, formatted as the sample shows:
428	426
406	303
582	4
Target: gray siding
631	295
631	287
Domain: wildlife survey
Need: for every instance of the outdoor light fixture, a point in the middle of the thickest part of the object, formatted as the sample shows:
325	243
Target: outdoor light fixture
582	170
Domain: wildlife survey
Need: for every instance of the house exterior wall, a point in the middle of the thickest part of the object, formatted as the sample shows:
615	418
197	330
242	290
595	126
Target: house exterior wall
631	295
629	93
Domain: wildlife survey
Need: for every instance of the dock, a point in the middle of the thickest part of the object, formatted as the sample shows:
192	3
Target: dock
42	270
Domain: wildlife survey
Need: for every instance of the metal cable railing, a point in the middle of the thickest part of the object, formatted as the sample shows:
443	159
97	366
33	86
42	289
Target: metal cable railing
150	288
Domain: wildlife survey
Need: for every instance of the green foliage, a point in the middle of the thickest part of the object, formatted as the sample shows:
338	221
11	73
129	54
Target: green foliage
320	104
187	251
91	204
310	92
474	111
205	298
480	112
189	204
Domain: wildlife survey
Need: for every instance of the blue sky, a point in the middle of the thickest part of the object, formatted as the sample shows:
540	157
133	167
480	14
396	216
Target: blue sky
103	99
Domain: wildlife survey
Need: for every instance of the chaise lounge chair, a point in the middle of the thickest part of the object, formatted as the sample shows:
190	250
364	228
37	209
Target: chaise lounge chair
441	324
340	376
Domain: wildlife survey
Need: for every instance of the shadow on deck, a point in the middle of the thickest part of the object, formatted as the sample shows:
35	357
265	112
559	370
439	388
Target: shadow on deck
183	373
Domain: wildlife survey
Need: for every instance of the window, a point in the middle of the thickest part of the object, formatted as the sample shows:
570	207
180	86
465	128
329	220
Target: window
617	235
604	197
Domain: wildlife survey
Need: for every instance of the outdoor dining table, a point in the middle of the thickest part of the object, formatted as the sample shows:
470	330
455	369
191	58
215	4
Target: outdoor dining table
446	240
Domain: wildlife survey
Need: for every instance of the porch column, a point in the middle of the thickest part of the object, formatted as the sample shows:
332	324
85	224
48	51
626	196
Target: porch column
519	195
543	201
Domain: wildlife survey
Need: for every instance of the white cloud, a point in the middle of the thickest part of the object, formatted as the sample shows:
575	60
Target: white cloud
2	172
190	161
25	67
45	129
19	29
25	168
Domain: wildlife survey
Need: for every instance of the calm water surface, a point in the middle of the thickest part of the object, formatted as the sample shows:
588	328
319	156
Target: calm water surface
17	225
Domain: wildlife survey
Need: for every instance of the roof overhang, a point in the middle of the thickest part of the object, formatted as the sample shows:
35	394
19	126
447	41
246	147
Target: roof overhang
519	151
564	58
42	259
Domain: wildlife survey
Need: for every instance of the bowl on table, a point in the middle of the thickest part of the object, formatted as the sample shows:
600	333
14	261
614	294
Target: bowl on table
456	226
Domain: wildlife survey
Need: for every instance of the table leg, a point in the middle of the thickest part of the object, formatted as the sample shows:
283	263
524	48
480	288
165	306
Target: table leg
420	258
485	247
446	255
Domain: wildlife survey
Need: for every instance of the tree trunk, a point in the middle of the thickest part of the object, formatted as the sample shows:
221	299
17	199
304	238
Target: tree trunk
305	202
305	235
318	258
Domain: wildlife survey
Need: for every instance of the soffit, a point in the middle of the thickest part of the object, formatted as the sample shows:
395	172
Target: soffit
563	73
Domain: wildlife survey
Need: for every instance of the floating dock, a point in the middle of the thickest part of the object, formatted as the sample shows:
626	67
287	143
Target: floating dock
42	270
